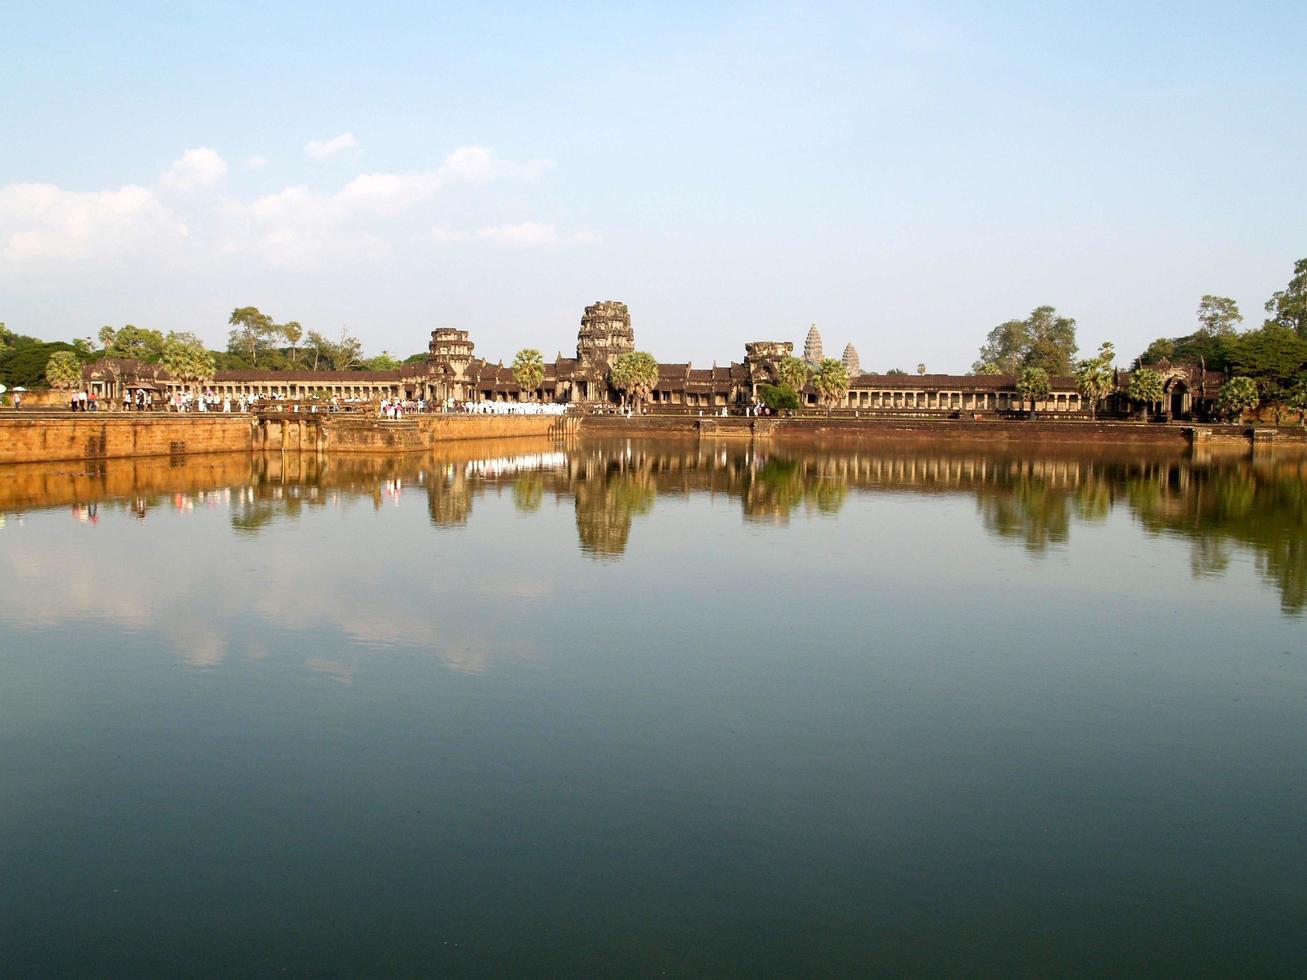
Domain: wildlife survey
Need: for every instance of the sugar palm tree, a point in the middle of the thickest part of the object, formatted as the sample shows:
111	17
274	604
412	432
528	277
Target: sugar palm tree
529	369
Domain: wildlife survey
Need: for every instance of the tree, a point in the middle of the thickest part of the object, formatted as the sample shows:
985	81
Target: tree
382	362
1004	348
186	359
346	353
1146	386
63	370
251	331
778	397
1288	307
136	343
1159	350
106	337
1043	339
793	373
1296	398
896	372
292	331
831	381
1219	316
1033	385
320	346
634	374
921	368
1272	356
1096	377
1238	395
529	369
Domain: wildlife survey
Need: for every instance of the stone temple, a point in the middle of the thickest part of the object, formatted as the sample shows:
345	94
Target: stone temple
453	371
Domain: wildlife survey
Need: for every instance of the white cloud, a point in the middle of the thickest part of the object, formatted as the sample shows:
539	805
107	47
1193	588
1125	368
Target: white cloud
256	162
195	169
446	235
293	228
42	221
533	234
317	149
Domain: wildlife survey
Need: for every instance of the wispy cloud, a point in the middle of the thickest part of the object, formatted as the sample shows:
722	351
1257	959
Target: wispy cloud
317	149
533	234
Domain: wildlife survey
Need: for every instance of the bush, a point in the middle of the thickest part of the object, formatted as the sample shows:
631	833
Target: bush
777	397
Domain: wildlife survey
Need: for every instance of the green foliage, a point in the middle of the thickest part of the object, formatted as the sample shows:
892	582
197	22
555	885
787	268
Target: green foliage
1146	386
293	333
63	370
921	368
381	362
23	361
137	343
1219	316
1161	349
1238	395
186	359
1096	377
529	369
778	397
793	373
1043	340
1288	306
831	381
1033	385
896	373
634	374
1296	398
1272	356
251	334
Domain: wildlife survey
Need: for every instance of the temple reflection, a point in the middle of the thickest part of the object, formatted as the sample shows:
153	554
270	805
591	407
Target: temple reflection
1035	500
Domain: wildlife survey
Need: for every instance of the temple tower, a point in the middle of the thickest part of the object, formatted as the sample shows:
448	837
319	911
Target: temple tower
605	334
812	352
851	363
448	357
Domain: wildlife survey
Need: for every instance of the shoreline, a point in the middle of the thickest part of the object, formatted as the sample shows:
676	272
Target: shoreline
74	436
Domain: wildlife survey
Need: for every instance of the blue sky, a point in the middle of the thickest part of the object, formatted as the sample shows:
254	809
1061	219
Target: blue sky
903	175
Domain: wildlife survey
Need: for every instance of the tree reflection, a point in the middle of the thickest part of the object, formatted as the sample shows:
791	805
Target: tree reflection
1224	508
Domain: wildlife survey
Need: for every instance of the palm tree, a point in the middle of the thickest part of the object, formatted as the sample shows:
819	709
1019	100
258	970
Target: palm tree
1096	377
634	374
831	382
1146	386
529	369
794	373
63	370
1033	384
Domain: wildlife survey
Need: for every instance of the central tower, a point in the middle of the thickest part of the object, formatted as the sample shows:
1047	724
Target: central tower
605	335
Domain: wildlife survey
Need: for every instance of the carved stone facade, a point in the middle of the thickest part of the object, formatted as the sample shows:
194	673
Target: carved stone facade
453	372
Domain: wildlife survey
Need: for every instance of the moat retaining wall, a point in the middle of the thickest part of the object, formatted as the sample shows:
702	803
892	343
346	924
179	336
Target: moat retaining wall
870	430
72	436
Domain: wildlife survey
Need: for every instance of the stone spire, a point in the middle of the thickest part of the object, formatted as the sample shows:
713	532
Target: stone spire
812	346
851	363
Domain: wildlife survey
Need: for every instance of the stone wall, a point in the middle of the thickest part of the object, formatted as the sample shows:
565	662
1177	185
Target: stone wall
74	436
104	435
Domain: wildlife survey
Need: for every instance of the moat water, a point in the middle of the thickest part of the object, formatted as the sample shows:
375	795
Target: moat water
654	709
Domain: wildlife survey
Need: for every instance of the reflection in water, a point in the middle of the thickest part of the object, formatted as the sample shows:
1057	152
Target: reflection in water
1219	506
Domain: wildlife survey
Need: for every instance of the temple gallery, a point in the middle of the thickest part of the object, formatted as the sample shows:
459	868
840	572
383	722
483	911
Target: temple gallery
452	373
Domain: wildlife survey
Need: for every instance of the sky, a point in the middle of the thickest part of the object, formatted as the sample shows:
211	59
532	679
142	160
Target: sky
903	175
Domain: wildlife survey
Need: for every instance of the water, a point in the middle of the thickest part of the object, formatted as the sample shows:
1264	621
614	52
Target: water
654	709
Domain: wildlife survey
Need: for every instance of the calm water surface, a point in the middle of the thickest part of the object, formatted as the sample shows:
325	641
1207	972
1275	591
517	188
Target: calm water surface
654	709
